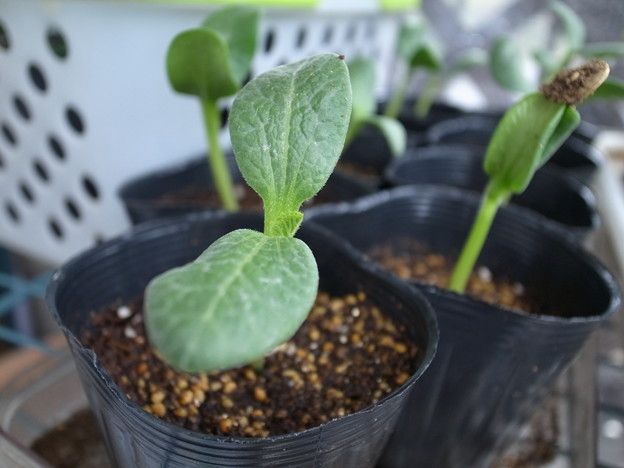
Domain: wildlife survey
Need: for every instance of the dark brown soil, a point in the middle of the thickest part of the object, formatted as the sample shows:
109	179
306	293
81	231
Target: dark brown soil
347	356
410	260
76	443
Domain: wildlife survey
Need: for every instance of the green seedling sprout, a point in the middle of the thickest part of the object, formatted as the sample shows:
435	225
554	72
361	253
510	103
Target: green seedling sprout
211	62
250	291
421	53
509	65
362	73
525	139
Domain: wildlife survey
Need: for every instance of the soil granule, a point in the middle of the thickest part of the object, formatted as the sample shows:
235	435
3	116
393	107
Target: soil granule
346	356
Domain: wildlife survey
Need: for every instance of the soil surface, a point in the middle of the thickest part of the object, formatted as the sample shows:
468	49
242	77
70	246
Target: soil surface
76	443
358	170
410	260
346	356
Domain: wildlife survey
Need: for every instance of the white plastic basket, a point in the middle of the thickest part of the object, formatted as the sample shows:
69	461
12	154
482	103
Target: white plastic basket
85	103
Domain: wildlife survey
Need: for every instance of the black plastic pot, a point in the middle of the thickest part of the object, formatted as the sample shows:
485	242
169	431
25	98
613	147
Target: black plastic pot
438	113
575	156
493	365
555	196
120	269
142	196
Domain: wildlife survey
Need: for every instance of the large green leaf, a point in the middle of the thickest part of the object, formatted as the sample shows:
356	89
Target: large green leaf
528	134
603	50
238	25
508	65
198	63
611	89
245	295
288	127
573	25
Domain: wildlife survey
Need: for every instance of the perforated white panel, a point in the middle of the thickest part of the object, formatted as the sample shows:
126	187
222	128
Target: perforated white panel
85	105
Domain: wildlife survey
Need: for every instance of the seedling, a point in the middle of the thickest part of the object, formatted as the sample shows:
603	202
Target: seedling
250	291
509	65
211	62
362	72
421	53
525	139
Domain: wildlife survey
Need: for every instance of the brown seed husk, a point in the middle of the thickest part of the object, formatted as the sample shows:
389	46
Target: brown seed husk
575	85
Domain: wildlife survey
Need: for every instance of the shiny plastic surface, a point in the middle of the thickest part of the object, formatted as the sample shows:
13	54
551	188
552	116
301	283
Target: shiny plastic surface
493	365
120	269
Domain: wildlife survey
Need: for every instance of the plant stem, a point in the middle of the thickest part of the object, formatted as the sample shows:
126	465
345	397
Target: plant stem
428	96
352	132
490	203
218	165
398	98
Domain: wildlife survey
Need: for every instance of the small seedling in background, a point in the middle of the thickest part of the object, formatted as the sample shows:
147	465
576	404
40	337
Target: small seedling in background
420	53
509	67
211	62
528	135
362	73
250	291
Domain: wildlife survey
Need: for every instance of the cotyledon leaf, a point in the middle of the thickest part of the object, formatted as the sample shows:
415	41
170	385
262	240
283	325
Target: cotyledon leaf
362	75
198	63
238	25
288	128
245	295
393	131
508	65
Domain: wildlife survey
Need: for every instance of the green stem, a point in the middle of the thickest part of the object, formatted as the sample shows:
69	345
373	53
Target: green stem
352	132
490	203
398	98
218	165
428	96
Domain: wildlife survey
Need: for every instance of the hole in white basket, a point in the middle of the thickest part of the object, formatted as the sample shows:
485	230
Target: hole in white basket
21	107
247	79
90	187
1	161
269	40
328	34
224	117
55	228
9	134
302	34
56	147
351	31
26	192
98	239
12	212
57	43
5	42
41	170
74	120
371	30
37	77
72	208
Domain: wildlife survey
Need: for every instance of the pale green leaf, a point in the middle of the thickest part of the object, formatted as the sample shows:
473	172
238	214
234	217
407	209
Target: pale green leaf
410	39
245	295
603	50
288	128
527	135
611	89
469	59
572	24
238	25
547	60
362	75
393	132
507	65
198	63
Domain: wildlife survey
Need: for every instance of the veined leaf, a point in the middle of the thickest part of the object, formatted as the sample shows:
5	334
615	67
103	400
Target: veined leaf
528	134
198	63
238	25
572	24
245	295
507	65
288	127
392	130
604	50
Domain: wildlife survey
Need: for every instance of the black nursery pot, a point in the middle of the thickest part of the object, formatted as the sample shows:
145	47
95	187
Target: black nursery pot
576	156
558	197
143	196
120	269
438	113
493	365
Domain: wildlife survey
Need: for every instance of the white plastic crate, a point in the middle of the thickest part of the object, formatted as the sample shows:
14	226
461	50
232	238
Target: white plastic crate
85	103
